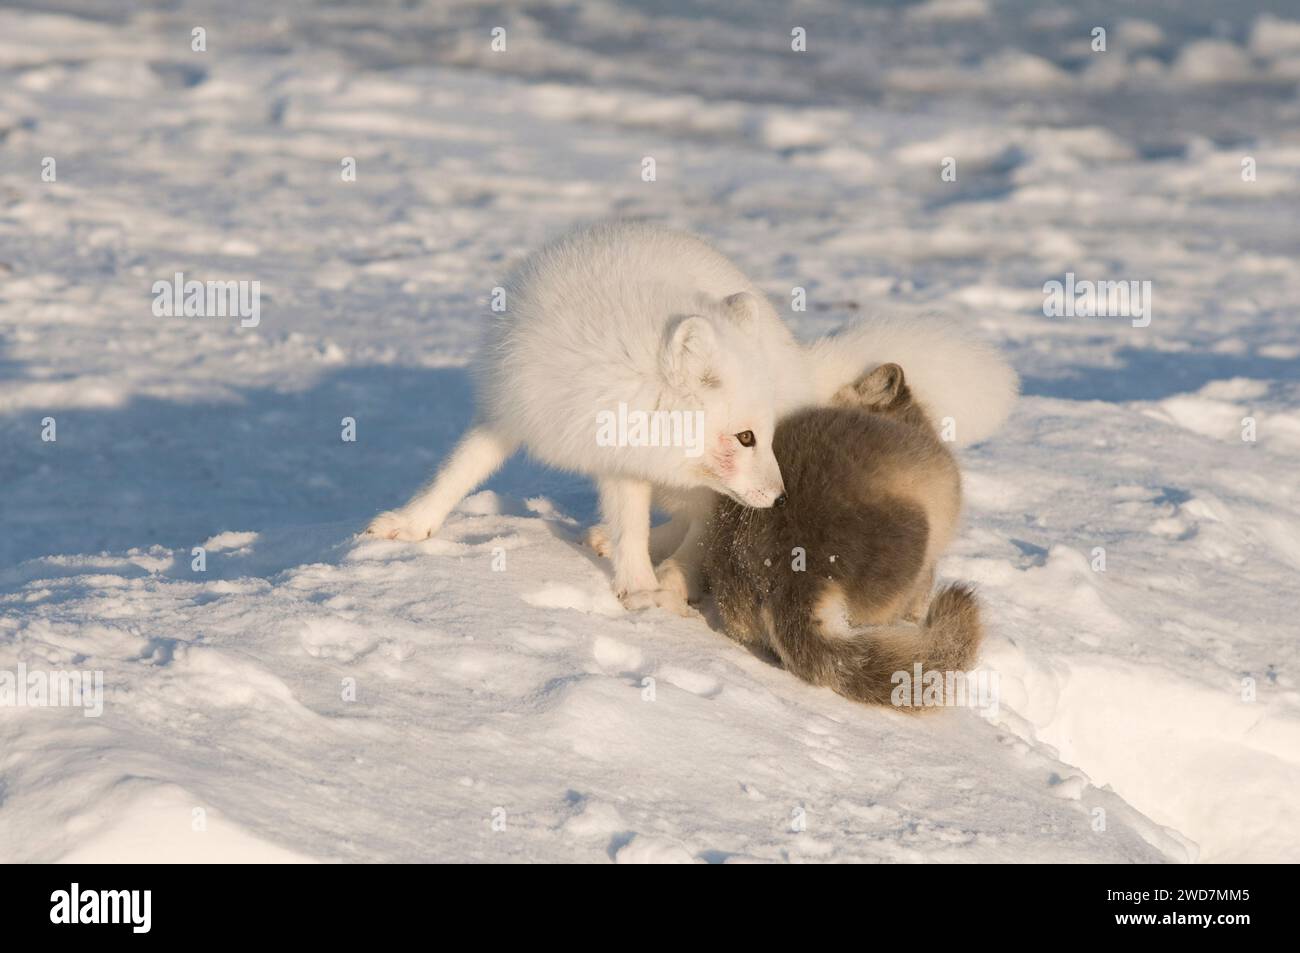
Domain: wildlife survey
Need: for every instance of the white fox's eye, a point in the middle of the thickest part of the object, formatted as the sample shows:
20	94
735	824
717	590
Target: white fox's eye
746	438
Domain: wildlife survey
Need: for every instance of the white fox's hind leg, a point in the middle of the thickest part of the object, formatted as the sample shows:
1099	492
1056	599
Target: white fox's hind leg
477	456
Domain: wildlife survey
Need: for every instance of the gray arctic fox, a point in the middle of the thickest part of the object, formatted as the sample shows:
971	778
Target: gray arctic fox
874	497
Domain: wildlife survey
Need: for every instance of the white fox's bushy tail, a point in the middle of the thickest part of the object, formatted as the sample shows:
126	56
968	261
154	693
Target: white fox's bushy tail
951	372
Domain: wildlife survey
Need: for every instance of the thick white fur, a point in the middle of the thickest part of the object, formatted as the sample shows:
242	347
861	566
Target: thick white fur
658	319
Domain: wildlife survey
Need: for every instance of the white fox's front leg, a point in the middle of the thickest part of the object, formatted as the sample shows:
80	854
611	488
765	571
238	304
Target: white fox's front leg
625	508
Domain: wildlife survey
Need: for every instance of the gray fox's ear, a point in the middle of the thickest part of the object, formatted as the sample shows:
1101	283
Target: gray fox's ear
741	307
875	390
687	357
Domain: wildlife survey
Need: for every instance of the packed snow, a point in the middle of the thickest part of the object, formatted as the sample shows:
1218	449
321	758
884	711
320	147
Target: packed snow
298	692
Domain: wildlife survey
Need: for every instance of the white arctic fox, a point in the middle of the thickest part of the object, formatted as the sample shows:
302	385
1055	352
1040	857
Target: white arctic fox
627	318
634	319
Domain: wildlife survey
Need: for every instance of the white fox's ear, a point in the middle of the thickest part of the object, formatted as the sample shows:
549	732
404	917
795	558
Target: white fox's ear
741	307
688	352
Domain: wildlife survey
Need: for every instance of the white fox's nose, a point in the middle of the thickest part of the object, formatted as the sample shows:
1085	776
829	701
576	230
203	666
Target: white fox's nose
768	497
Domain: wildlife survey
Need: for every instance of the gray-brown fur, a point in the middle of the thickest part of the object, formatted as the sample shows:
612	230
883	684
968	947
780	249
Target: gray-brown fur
873	499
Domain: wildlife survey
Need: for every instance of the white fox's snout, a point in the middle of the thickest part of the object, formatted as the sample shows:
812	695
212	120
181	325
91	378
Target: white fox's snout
760	498
762	486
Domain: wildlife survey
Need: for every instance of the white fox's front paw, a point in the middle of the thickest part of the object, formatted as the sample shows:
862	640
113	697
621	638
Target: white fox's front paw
395	524
656	598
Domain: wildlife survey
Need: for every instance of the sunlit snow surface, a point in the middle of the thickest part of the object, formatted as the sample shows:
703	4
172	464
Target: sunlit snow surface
509	715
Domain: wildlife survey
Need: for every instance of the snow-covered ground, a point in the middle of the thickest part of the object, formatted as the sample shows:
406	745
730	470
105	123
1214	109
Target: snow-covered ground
316	695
